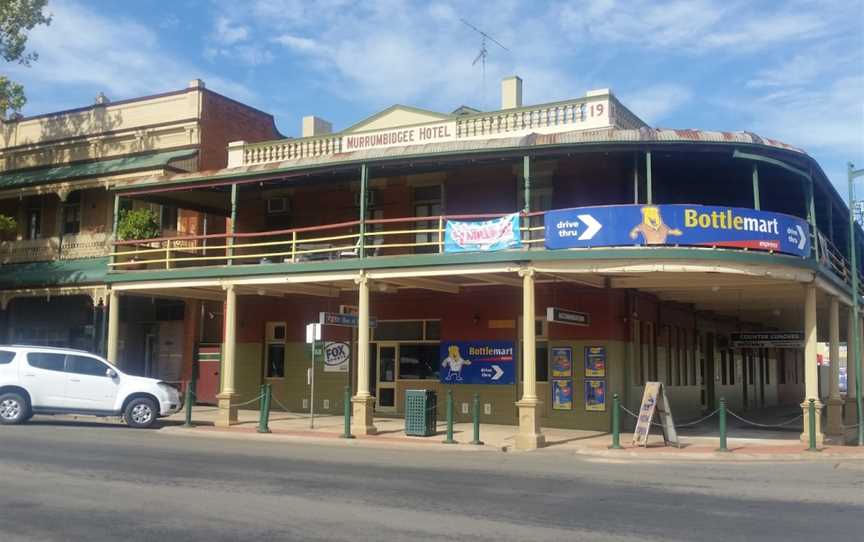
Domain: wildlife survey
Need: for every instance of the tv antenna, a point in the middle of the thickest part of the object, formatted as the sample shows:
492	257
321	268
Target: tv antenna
484	52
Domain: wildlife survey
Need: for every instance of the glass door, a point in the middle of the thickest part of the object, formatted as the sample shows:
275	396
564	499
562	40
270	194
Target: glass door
388	353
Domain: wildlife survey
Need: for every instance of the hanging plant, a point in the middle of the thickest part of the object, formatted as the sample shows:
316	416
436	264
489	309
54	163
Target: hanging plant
137	224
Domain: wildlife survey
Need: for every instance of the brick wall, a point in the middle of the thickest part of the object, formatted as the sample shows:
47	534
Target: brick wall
224	120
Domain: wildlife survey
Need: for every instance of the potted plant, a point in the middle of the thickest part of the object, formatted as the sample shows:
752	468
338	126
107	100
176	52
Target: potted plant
8	227
136	225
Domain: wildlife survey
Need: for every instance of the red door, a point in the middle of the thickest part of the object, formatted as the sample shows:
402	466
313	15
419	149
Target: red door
209	366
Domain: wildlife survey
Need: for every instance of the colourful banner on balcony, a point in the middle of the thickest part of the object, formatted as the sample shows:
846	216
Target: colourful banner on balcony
664	225
487	236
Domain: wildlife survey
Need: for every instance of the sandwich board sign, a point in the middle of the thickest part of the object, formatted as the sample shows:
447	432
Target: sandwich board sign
654	401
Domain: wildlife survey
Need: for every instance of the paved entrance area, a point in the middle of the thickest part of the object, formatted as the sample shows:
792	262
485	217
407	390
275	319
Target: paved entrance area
743	443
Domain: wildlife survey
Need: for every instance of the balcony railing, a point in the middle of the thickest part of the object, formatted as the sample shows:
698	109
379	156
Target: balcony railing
85	245
382	237
596	111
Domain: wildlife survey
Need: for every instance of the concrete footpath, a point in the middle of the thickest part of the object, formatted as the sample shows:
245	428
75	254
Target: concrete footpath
746	446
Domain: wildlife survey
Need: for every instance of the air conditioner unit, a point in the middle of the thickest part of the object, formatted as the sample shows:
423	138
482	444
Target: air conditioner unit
370	198
277	206
275	331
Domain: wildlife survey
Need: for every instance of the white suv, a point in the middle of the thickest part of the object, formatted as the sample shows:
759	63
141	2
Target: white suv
41	380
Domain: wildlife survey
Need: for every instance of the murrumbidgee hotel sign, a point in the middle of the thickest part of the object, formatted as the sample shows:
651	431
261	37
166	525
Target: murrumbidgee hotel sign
409	135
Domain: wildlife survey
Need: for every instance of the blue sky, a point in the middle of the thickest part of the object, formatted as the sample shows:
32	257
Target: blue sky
790	70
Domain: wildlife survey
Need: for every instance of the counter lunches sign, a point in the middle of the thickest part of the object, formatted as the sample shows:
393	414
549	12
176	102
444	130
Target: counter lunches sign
481	362
485	236
692	225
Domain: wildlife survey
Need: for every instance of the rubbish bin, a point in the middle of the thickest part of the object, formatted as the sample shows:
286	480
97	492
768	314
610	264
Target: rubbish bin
421	413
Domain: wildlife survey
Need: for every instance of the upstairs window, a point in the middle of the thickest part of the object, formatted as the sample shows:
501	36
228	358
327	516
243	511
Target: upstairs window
72	214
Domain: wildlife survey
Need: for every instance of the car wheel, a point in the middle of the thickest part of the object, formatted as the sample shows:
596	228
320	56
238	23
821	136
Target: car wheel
141	413
13	409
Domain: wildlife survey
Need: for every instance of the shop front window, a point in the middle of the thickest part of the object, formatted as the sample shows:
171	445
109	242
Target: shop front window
418	361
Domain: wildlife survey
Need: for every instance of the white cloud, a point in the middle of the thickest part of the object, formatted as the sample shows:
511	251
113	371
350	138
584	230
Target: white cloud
228	33
298	43
653	103
113	55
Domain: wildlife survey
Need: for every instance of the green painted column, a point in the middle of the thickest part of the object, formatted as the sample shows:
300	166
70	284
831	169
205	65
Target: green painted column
649	188
364	188
526	182
233	226
757	204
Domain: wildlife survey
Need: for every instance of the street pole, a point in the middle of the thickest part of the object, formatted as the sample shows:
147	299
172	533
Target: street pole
856	336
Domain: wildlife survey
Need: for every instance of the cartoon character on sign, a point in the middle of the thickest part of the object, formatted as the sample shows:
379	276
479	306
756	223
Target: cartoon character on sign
654	231
454	363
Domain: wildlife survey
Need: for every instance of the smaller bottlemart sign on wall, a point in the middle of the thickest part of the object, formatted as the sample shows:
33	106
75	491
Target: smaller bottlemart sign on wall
691	225
480	362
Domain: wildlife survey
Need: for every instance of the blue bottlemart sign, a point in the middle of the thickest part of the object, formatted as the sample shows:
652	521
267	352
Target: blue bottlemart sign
691	225
478	362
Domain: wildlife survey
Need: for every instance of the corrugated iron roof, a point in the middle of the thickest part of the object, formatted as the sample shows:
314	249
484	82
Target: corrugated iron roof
575	137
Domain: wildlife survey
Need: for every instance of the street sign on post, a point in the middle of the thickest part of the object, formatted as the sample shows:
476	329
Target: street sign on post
340	319
313	333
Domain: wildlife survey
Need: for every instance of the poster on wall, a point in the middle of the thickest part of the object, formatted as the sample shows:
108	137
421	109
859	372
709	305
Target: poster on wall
337	357
595	362
562	394
595	395
562	362
477	362
490	235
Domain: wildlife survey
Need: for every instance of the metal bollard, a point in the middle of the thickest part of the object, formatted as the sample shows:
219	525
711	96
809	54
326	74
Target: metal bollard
346	433
811	417
449	439
722	412
616	423
264	420
476	420
190	400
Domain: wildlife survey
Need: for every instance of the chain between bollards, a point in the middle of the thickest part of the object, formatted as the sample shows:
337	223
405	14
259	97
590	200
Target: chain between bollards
476	420
449	439
346	433
722	411
811	418
190	400
264	419
616	423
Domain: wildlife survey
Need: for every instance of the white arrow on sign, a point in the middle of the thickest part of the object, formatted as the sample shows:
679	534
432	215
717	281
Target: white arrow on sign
802	238
498	372
593	227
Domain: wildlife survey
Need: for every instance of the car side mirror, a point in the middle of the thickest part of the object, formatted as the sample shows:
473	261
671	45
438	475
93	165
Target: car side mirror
111	373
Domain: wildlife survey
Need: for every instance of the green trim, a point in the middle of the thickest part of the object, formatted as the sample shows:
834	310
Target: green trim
772	161
756	198
526	178
54	273
427	260
67	172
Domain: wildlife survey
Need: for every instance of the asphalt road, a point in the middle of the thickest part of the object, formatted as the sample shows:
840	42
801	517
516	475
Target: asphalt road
94	482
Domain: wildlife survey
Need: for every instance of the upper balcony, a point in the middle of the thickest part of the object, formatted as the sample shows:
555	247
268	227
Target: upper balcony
68	247
399	210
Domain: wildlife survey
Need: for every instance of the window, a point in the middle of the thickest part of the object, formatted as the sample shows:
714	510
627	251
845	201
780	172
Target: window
34	219
169	218
427	202
6	357
84	365
541	361
46	360
403	330
418	361
72	214
274	362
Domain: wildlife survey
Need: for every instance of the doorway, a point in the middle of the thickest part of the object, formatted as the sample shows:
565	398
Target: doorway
385	382
708	376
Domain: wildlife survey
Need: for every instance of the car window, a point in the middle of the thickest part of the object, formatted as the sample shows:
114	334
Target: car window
46	360
84	365
6	356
